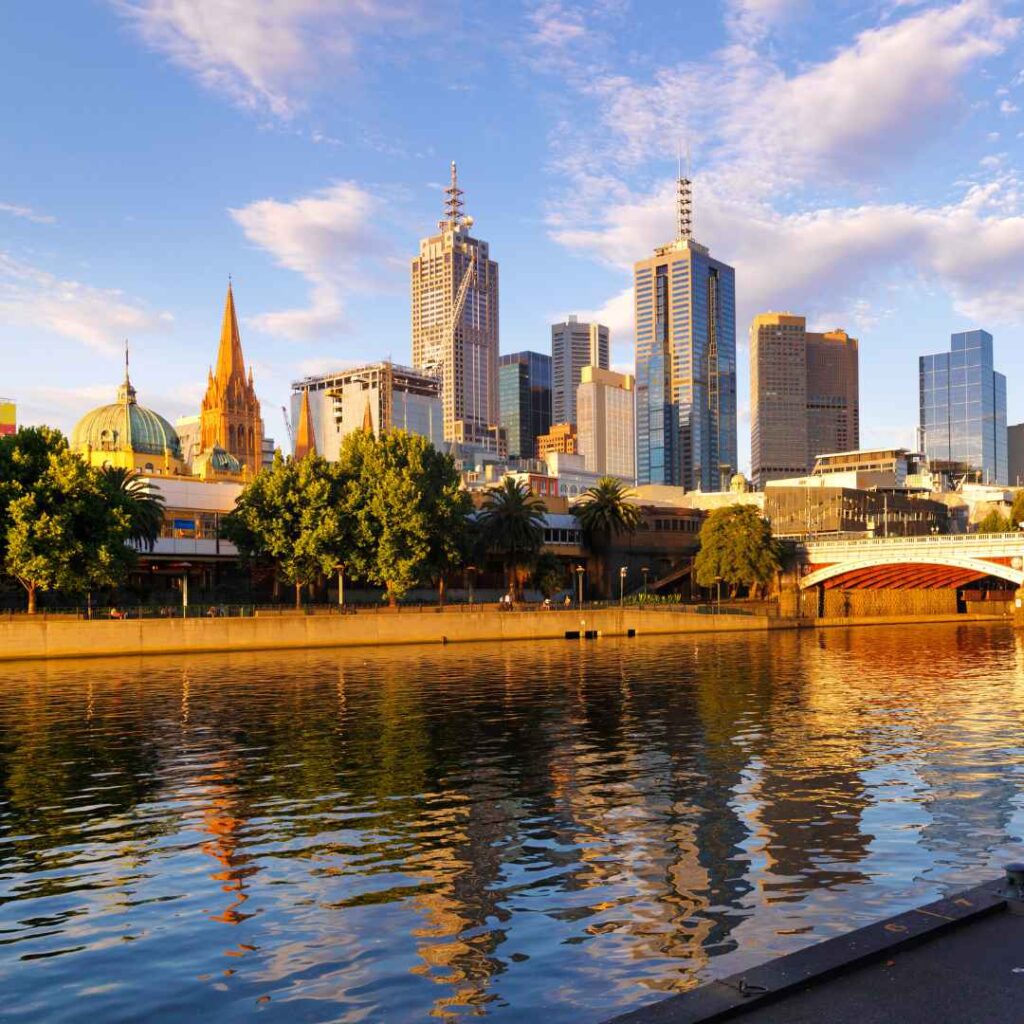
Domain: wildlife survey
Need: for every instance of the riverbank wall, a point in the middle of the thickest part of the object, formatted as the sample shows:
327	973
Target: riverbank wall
23	637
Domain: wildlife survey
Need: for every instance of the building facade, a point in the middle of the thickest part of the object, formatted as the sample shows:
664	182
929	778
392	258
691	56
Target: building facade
574	344
455	322
376	397
230	415
1015	455
524	395
804	395
684	312
560	438
605	427
963	407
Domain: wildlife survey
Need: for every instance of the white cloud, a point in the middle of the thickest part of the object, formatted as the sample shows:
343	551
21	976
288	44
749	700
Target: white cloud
1006	107
98	317
263	54
754	19
27	213
556	25
332	238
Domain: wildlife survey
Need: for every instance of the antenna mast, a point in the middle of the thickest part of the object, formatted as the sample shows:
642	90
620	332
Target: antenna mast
684	202
453	202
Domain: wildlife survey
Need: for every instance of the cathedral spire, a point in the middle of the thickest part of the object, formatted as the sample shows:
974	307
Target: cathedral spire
229	355
126	393
305	439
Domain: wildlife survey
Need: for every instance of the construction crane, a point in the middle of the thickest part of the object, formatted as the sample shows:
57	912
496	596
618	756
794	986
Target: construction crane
288	426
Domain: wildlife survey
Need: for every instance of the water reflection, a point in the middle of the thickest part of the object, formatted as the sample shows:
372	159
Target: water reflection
558	830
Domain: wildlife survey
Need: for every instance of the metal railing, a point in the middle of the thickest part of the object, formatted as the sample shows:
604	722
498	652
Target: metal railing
960	539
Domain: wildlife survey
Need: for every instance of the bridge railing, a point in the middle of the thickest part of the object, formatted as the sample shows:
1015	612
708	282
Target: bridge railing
938	539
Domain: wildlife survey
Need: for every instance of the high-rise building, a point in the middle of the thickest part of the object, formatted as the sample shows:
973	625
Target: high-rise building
963	407
574	345
684	311
560	438
605	424
376	397
1015	455
455	323
778	397
804	395
230	414
833	393
524	391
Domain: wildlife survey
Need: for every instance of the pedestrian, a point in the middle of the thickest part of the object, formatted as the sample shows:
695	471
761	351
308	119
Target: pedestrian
568	601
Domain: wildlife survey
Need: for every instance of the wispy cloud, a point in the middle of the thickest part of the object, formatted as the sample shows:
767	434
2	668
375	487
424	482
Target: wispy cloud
97	317
27	213
264	55
331	237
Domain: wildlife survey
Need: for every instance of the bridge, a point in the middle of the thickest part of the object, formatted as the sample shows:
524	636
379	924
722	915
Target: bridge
913	563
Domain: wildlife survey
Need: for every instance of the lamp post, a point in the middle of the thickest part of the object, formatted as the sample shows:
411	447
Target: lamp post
471	570
579	585
622	586
645	571
718	585
185	566
341	584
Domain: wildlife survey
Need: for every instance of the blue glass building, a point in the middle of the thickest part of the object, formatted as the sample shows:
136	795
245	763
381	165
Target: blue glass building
685	317
524	398
963	407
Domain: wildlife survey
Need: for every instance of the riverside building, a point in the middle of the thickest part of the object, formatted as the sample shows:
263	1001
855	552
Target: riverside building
455	323
574	344
684	312
963	407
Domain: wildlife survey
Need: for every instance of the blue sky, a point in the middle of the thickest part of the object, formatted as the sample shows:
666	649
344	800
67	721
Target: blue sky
858	162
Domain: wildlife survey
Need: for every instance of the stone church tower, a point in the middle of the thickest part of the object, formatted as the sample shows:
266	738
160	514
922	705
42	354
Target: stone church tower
230	415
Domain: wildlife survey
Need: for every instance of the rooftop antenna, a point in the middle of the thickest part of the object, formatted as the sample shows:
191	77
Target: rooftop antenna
684	200
126	360
453	202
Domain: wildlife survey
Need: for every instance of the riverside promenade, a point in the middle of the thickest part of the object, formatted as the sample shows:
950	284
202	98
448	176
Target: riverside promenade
43	637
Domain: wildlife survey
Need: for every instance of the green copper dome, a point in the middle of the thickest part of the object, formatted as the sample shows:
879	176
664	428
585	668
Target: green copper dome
219	460
126	424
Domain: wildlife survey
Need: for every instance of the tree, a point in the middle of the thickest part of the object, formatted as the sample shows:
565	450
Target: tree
994	522
512	525
291	513
64	533
142	503
603	513
1017	510
548	574
409	515
737	548
24	458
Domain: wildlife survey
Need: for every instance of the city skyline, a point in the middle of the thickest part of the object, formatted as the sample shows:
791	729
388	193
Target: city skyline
110	225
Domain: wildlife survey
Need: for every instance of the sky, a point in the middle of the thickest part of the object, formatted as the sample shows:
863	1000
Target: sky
858	162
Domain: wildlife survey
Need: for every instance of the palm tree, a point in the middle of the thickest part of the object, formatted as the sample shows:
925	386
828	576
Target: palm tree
143	504
512	524
604	512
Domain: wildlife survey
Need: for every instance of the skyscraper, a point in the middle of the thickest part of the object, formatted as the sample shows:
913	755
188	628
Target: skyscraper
230	413
524	390
573	346
684	311
455	323
804	396
605	428
963	406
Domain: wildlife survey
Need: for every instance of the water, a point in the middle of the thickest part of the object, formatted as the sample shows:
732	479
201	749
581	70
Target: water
548	831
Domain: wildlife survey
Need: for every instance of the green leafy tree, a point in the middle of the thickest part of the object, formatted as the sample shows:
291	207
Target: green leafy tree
142	503
64	533
736	547
1017	510
604	512
24	458
549	575
512	525
291	513
409	515
994	522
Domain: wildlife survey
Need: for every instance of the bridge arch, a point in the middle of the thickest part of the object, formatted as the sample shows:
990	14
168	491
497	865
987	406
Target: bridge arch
970	569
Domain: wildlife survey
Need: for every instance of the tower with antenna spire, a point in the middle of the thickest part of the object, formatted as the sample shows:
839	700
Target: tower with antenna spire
455	322
685	337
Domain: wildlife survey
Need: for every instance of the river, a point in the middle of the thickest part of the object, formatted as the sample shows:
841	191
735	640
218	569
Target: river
552	831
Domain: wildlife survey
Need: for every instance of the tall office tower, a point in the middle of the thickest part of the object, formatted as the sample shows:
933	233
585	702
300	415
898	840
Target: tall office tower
377	397
778	397
524	394
573	346
605	427
1014	456
684	311
833	394
963	407
455	323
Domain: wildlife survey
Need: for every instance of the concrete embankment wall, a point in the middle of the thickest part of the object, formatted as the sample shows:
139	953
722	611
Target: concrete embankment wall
858	603
24	637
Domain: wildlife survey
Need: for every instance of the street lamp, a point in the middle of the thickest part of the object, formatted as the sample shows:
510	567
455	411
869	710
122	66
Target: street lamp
622	586
579	585
471	570
718	584
184	587
341	584
645	571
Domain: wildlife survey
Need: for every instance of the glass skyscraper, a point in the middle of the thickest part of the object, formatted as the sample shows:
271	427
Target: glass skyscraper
685	320
963	407
524	396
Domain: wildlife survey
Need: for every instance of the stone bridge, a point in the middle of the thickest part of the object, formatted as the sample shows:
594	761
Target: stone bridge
913	563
